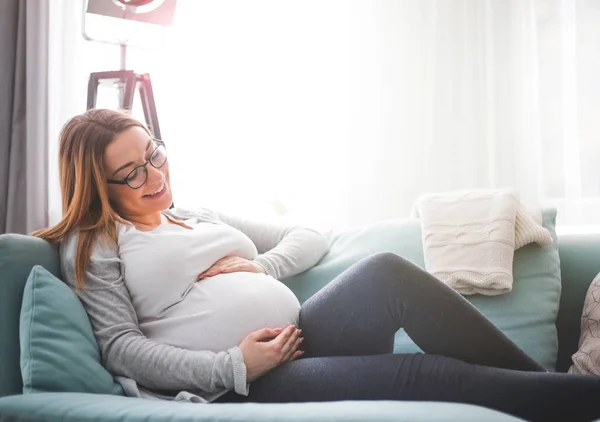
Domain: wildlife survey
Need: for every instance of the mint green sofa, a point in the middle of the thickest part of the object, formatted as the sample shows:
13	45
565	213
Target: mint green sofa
579	263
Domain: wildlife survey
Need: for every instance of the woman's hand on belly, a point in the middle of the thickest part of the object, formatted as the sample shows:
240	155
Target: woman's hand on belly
231	264
268	348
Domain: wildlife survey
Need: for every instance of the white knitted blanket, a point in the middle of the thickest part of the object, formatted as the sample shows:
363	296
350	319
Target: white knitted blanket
469	237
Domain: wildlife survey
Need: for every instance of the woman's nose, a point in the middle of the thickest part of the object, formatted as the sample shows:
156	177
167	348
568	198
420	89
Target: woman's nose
154	174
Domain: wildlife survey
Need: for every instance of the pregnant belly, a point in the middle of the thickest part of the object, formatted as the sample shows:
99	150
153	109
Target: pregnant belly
220	311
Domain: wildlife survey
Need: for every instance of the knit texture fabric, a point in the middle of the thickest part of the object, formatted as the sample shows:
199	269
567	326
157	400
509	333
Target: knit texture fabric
528	228
469	237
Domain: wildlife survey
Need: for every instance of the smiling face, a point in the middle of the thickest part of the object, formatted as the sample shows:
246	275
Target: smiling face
131	148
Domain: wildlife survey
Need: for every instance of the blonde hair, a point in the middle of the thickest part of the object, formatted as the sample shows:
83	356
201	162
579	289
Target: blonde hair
85	203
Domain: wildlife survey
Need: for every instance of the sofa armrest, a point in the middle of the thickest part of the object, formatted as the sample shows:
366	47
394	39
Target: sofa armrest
78	407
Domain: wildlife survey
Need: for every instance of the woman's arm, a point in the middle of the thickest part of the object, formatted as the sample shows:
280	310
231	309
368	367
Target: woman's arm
284	250
126	351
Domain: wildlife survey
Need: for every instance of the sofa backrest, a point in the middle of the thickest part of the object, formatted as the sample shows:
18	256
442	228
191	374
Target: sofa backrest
18	254
579	264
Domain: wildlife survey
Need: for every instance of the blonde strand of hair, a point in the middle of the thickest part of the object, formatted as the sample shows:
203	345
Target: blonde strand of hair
85	201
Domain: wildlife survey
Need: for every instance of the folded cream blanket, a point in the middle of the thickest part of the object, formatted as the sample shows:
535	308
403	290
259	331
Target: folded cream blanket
469	237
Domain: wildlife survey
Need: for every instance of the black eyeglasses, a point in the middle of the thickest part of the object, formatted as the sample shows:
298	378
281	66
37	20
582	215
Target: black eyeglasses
138	176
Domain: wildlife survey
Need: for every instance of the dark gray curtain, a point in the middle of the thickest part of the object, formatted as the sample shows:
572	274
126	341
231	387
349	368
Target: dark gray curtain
23	115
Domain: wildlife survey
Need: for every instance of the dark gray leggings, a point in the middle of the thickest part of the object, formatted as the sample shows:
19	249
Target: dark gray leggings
349	326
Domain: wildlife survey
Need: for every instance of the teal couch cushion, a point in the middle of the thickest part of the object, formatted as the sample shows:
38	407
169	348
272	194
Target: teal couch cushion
526	315
18	254
58	349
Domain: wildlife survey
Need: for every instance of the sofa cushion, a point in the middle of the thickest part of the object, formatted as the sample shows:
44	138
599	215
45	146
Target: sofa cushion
526	315
58	349
18	254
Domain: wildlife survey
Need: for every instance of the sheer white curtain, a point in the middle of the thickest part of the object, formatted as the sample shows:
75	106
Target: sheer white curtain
340	112
71	59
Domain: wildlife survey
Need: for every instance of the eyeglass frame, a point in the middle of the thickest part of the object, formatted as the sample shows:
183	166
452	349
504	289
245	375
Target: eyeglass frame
148	161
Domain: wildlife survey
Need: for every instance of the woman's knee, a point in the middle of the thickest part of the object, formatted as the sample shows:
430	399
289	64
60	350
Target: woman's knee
389	260
391	270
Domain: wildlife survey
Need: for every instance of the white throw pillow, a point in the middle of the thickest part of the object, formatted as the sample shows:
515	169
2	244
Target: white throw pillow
587	359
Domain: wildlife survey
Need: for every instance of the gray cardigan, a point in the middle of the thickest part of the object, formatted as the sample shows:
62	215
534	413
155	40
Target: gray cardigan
142	365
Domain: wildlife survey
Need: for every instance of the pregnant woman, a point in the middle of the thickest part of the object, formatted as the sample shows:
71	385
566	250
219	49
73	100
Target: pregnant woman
190	301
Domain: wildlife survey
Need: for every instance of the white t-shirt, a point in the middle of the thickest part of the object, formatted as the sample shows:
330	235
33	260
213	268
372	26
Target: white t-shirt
216	313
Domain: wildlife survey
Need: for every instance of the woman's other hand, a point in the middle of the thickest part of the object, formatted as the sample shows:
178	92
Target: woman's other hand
231	264
265	349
